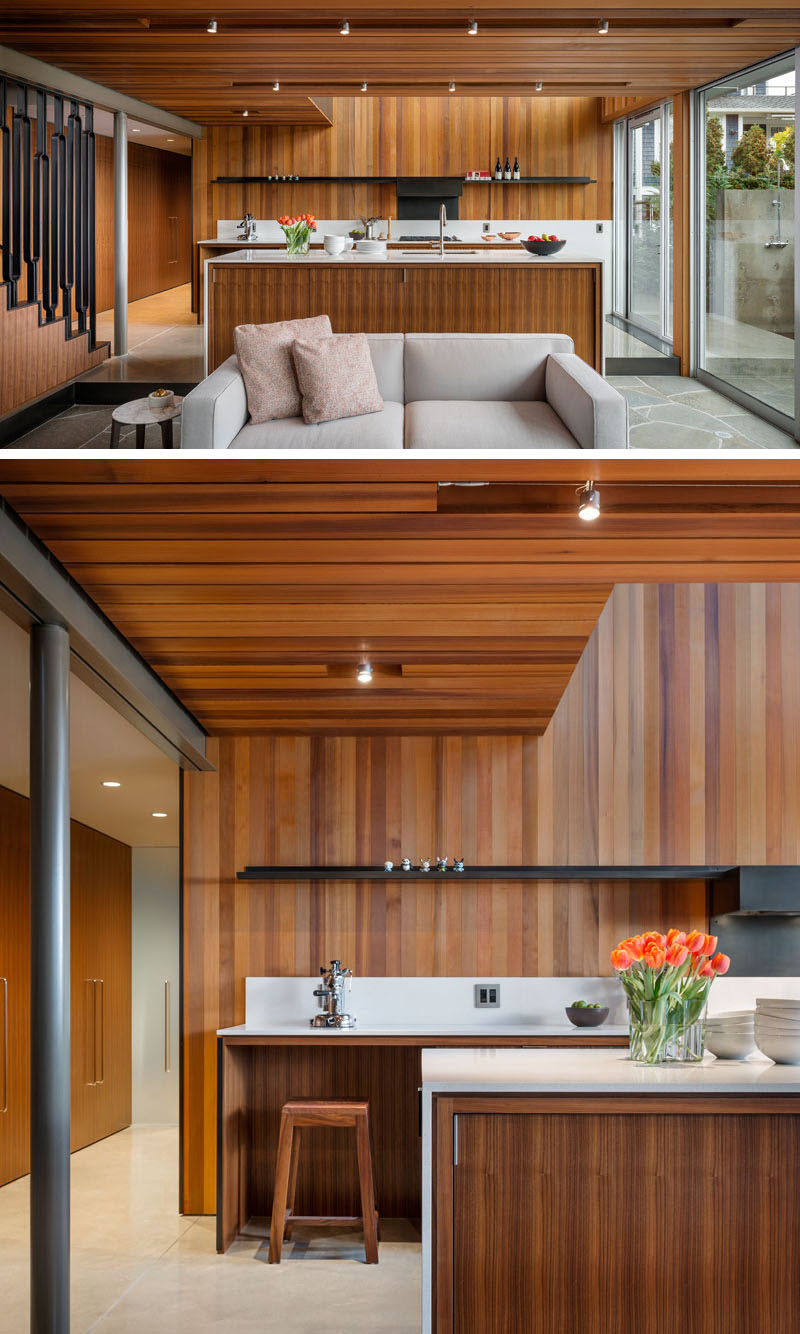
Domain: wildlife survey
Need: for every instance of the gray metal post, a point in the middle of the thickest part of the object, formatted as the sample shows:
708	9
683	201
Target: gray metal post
50	989
120	233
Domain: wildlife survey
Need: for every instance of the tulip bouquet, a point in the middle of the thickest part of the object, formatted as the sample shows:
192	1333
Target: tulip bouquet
298	232
666	979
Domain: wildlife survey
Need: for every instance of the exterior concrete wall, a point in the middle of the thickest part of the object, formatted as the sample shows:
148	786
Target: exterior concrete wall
749	282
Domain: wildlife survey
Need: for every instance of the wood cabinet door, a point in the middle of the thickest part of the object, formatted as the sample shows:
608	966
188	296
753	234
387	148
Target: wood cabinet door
252	294
542	299
450	299
358	300
14	986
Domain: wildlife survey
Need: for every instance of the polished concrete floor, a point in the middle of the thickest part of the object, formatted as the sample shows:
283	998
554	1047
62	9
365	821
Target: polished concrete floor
140	1268
165	342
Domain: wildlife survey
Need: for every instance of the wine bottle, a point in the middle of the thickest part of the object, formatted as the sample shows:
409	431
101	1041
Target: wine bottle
498	171
516	168
507	171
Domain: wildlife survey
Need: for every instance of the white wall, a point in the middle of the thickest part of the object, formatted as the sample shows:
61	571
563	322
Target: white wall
156	953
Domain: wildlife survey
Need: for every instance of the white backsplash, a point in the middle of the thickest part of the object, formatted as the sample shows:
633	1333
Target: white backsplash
448	1002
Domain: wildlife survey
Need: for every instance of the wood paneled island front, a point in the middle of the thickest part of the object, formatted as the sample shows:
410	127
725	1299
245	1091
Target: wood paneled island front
418	292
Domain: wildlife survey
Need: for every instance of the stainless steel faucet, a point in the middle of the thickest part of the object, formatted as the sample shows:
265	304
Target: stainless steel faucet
442	225
249	224
330	998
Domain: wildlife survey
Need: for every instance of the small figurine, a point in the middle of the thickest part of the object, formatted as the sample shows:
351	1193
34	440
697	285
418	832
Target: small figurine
441	863
458	865
406	864
425	864
388	866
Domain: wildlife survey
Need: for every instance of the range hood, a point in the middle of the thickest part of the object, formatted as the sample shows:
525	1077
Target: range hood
757	891
421	197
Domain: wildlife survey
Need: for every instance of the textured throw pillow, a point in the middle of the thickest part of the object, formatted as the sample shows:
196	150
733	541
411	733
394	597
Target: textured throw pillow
264	352
336	378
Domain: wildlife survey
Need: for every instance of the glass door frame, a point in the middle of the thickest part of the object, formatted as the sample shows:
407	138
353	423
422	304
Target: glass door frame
699	248
663	114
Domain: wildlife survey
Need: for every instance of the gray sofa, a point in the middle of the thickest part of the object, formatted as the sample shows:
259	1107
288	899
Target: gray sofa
440	391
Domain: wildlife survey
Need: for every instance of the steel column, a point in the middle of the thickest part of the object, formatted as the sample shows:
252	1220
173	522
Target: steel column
50	979
120	233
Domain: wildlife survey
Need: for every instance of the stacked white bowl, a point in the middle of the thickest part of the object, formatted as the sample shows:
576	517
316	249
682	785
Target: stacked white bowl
731	1035
777	1029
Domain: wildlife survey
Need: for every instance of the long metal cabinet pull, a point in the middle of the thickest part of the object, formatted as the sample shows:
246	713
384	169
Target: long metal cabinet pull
98	982
167	1052
4	981
91	1036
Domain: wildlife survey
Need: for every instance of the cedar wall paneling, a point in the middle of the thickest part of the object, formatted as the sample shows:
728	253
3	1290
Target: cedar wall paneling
657	753
422	136
159	221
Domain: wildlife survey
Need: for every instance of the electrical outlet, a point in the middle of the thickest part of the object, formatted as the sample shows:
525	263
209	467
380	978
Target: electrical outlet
599	227
485	227
487	995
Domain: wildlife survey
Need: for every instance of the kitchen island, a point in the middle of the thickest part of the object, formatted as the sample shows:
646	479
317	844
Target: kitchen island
578	1193
413	291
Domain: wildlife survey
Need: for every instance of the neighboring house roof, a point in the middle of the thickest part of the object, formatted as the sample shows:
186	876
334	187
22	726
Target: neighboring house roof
746	106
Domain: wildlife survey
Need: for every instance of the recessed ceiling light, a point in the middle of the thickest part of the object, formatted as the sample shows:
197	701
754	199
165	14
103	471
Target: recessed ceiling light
602	27
364	86
212	25
451	88
276	87
245	113
159	815
538	85
111	782
588	502
364	673
135	129
170	141
345	28
472	30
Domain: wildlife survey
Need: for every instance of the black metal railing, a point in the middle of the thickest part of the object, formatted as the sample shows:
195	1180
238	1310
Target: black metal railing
48	212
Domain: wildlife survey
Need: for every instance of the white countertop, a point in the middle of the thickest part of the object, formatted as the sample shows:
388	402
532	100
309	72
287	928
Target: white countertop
509	1070
564	1032
515	255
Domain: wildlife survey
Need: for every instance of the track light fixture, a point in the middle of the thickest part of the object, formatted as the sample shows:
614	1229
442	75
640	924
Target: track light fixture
364	86
538	85
245	113
602	27
364	674
588	502
344	31
212	25
276	87
472	30
451	88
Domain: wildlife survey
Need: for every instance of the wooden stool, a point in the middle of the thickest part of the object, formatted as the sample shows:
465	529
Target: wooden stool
316	1112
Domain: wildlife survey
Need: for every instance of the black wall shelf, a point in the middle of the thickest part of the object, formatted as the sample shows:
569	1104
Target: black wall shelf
392	180
486	873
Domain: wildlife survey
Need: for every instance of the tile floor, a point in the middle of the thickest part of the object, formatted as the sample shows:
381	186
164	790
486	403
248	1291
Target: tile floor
138	1266
675	412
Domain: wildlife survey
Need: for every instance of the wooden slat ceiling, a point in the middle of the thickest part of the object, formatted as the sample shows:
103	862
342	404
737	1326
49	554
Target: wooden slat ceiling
165	56
256	601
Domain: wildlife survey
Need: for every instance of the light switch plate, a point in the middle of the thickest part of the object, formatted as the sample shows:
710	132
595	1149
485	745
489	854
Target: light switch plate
487	995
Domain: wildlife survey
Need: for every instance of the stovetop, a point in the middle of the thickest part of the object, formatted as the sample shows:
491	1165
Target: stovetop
429	238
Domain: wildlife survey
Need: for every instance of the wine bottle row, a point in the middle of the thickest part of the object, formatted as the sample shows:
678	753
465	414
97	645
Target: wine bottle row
507	172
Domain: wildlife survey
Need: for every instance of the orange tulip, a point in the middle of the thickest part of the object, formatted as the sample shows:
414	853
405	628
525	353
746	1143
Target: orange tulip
634	946
709	945
695	942
654	938
620	960
706	970
655	956
720	964
677	954
674	936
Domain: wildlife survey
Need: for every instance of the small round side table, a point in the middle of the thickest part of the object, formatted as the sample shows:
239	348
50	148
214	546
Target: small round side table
140	413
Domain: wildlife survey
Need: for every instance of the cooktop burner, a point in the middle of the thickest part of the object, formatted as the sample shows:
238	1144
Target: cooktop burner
428	238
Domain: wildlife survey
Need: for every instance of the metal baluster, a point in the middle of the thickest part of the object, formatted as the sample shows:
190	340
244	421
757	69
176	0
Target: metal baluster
43	205
56	188
68	215
5	135
15	260
27	194
91	215
80	226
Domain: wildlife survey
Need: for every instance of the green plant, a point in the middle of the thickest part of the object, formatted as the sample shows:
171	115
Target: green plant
753	161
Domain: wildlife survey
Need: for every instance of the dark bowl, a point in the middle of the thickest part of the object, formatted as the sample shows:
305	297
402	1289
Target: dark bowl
586	1018
543	247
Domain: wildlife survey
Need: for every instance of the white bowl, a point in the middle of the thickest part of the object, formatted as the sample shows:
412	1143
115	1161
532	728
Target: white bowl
334	245
784	1051
725	1015
777	1002
162	402
371	247
775	1026
348	242
777	1012
731	1048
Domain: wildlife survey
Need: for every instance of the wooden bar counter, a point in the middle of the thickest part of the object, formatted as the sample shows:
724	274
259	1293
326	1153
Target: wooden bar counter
414	292
579	1193
259	1071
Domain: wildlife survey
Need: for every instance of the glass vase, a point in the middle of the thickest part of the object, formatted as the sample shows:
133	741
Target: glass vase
298	245
667	1030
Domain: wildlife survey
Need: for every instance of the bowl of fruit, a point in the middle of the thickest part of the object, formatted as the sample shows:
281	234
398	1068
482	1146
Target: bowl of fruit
586	1014
543	245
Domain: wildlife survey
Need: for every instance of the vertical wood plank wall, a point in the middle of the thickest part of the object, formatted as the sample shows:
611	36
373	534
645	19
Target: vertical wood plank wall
677	740
423	136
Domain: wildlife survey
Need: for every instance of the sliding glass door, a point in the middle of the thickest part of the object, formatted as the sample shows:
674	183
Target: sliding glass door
746	226
649	181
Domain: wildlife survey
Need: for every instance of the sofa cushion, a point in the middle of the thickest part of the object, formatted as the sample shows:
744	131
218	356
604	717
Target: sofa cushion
336	378
510	367
470	425
377	430
264	353
386	351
